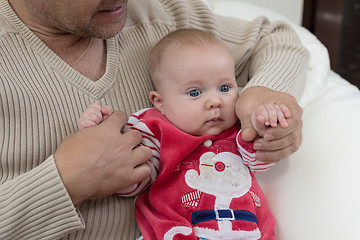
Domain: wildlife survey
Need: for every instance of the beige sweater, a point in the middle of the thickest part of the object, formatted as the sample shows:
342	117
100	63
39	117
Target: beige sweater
41	98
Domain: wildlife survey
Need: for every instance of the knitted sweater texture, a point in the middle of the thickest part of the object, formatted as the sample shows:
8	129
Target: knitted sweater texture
41	98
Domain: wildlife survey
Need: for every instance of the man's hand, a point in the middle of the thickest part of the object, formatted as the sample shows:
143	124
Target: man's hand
99	161
277	142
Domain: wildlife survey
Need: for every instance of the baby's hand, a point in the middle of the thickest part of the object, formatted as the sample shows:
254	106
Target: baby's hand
269	115
93	115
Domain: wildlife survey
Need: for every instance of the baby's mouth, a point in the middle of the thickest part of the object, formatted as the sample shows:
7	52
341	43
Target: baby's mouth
214	121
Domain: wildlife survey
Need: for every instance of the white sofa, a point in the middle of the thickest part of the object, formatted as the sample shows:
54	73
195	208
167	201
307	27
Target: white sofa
315	194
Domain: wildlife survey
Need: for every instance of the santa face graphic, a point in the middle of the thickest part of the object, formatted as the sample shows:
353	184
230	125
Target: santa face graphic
224	176
221	175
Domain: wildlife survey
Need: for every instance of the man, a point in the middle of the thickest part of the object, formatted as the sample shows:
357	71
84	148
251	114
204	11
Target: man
58	56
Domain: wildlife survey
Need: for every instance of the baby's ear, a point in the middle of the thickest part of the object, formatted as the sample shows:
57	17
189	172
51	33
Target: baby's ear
156	100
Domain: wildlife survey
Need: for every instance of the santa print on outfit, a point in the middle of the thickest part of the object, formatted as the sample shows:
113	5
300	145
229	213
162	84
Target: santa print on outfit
203	189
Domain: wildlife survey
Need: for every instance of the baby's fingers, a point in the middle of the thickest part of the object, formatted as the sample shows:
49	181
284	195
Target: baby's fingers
281	116
106	111
285	110
86	123
272	113
91	116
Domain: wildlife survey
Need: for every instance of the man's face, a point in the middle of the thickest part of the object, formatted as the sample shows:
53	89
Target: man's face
89	18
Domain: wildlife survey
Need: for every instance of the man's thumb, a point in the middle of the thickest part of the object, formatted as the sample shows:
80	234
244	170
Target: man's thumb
116	120
248	132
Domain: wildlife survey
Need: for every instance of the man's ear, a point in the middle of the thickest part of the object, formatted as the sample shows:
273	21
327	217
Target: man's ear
156	100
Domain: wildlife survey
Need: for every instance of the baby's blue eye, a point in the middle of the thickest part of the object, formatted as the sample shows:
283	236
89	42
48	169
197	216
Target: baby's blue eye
194	93
224	88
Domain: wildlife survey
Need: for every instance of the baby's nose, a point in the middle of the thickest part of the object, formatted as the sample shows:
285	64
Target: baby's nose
214	102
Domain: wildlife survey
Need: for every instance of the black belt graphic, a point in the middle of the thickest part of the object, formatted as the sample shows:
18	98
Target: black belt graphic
222	215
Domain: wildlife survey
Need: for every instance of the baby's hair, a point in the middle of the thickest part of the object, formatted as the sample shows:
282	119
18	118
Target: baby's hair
181	37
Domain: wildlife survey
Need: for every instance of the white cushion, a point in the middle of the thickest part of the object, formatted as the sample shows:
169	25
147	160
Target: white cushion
319	64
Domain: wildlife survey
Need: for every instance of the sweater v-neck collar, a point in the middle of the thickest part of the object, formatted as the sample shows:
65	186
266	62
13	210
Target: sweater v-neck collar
96	89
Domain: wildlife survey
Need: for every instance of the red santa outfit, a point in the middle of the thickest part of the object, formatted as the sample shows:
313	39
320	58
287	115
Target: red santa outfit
202	187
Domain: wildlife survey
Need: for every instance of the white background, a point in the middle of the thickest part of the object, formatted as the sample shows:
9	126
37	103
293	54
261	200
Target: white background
291	9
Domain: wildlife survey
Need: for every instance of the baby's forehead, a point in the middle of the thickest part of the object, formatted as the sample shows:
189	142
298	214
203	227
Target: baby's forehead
175	52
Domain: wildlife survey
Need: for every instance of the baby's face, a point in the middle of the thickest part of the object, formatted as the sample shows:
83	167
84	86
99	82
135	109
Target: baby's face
199	89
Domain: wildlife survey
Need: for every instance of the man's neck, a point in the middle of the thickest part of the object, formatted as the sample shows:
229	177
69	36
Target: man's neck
86	55
54	38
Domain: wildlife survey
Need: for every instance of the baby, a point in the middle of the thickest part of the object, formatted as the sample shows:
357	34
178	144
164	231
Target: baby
202	181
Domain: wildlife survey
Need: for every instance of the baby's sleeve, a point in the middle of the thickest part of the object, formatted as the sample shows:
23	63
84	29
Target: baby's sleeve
247	152
149	140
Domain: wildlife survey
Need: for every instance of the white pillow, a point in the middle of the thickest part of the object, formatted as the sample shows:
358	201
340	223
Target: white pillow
319	64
